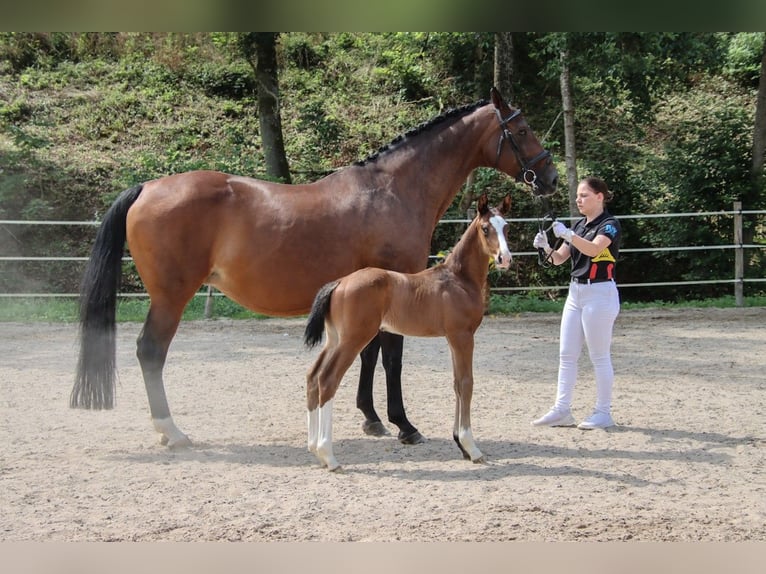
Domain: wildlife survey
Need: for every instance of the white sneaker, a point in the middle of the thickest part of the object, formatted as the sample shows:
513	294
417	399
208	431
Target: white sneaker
555	418
597	420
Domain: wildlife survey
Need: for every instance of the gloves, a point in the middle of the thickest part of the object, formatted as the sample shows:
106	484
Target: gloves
562	231
540	241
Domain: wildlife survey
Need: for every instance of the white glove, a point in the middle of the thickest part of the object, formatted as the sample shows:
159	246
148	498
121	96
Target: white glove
541	240
562	231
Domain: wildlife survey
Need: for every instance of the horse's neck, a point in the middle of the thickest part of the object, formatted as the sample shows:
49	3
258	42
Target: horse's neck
468	259
438	161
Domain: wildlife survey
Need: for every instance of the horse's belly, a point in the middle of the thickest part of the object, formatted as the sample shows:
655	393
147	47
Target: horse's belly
412	328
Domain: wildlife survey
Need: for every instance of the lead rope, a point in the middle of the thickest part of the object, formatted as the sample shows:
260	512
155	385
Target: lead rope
544	260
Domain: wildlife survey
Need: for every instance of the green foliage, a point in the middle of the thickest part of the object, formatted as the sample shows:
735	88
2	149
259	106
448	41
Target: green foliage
743	58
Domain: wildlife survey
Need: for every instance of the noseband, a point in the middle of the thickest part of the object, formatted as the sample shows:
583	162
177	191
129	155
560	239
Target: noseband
526	174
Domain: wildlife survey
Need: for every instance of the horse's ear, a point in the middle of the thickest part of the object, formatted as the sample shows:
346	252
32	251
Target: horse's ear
505	205
497	99
481	205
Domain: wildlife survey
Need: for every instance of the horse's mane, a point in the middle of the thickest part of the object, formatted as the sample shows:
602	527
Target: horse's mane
425	126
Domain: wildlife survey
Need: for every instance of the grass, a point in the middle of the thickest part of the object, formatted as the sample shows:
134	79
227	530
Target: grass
64	310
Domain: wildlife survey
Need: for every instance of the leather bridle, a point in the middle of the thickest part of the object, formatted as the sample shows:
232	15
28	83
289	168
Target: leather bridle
526	173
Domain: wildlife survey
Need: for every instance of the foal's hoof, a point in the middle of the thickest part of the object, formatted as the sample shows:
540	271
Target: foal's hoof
413	438
375	428
182	441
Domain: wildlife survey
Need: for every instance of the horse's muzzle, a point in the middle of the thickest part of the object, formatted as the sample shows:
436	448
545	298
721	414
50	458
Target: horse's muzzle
503	261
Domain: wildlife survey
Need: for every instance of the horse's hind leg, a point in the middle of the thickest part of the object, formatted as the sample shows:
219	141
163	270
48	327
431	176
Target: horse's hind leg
323	382
393	346
364	401
152	349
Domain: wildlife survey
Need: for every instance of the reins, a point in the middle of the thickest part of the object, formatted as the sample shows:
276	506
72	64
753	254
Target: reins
544	225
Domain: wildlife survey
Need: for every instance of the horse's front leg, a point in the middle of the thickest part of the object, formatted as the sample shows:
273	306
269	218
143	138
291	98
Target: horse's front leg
364	401
393	346
462	364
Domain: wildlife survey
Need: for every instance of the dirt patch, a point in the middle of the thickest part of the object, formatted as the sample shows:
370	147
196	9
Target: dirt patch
686	461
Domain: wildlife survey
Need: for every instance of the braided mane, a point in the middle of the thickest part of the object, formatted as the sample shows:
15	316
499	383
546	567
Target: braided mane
425	126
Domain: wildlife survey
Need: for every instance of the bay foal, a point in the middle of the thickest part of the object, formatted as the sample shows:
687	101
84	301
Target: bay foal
446	300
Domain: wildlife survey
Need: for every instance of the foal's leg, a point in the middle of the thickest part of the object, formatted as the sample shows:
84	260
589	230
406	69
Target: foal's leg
312	399
461	347
364	401
152	349
393	346
335	362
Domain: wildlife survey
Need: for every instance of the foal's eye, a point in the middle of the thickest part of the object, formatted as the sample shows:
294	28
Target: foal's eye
485	230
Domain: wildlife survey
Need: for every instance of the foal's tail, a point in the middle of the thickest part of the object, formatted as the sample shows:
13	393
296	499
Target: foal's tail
94	384
315	325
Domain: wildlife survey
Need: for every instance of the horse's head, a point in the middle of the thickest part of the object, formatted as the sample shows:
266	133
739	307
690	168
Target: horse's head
518	152
494	230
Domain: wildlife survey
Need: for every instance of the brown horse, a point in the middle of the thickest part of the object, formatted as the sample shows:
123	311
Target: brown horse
271	246
443	301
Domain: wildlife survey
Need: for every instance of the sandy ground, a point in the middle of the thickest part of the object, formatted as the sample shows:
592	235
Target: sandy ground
685	463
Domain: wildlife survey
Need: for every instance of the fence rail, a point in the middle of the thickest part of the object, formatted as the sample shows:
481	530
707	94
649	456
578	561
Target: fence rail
738	279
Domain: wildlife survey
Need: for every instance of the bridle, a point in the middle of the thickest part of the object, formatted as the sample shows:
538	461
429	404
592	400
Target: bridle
526	174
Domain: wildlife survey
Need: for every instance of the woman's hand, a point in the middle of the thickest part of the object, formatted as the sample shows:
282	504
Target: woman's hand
562	231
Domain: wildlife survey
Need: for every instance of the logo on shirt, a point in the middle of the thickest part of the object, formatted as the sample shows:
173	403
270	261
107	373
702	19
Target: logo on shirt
605	255
610	230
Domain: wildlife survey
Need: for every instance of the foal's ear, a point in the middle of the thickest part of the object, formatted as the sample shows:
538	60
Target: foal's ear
481	205
505	205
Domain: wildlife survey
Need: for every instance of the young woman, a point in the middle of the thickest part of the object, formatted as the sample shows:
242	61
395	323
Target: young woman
592	305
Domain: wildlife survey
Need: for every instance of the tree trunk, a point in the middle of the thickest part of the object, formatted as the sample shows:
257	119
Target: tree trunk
504	68
759	131
570	154
260	50
759	146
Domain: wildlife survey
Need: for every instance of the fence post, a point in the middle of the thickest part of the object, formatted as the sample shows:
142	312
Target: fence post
209	302
739	256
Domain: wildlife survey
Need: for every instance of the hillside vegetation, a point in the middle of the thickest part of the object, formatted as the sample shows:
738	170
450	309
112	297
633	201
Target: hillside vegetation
85	116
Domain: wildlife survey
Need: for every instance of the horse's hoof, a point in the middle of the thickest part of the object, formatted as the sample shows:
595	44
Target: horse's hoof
180	442
375	428
480	460
413	438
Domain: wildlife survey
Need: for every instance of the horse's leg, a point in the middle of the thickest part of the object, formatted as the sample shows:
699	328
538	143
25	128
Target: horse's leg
364	401
152	349
328	376
312	401
392	346
461	347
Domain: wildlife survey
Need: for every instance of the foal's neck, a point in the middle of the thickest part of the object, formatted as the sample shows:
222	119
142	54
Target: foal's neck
469	259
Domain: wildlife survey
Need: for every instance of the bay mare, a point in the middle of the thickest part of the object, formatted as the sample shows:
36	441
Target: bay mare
446	300
271	246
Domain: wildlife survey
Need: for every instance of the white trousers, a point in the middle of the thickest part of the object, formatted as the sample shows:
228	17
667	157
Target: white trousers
588	317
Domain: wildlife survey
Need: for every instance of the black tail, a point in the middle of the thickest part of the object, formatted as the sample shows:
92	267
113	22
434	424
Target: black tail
315	325
94	384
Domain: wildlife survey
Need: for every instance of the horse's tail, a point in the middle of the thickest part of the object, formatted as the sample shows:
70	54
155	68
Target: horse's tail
95	382
315	325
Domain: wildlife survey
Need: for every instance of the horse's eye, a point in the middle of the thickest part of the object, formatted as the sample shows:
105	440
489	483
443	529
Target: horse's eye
522	132
485	230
